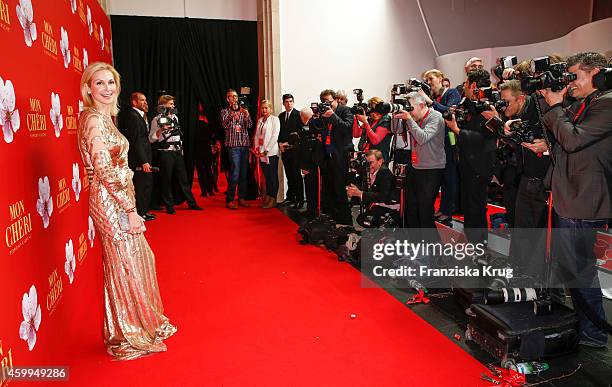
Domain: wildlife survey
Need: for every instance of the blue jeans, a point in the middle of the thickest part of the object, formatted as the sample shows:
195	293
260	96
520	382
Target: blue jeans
575	261
239	167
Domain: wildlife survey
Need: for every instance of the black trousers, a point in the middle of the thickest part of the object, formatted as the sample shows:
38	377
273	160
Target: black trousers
143	187
422	188
510	181
334	173
204	168
172	165
528	241
311	182
474	203
295	184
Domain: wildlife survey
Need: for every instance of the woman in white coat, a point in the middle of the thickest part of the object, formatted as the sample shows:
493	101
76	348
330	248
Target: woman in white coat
265	147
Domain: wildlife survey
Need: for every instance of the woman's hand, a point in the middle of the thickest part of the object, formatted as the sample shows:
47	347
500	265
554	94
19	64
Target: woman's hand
136	223
361	118
426	97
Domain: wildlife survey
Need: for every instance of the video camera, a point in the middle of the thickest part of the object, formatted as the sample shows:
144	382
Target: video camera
243	97
168	126
547	75
360	107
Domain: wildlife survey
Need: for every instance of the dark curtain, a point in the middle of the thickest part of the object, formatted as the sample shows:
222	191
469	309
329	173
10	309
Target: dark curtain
196	60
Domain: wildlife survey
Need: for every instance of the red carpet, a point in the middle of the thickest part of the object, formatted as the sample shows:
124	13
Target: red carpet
255	308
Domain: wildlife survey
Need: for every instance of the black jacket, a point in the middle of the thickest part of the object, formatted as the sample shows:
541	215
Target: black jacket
383	190
342	129
582	173
292	125
477	145
134	128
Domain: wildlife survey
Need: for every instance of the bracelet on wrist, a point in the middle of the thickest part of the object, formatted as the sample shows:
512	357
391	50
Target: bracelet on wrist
130	210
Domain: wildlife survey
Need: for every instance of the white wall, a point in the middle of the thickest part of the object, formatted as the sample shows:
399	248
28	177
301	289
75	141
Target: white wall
589	37
323	46
203	9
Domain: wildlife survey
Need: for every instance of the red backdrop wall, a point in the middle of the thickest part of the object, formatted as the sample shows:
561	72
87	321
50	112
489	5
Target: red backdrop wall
49	251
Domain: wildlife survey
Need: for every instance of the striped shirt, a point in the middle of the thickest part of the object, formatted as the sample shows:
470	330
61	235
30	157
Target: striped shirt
236	125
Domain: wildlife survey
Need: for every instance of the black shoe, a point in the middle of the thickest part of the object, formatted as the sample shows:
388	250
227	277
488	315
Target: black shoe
299	205
203	195
195	207
148	217
170	210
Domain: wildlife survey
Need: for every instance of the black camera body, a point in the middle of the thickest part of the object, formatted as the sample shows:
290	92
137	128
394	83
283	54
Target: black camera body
319	108
168	126
415	85
360	107
522	131
547	76
459	111
603	79
505	62
393	107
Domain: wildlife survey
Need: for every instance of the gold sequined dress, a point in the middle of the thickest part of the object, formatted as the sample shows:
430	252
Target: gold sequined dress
134	323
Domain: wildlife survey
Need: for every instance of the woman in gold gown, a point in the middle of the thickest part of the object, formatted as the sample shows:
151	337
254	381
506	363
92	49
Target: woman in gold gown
134	323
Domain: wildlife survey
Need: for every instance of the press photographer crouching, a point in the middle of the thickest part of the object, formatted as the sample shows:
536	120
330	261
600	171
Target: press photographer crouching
378	195
166	135
426	127
582	184
373	130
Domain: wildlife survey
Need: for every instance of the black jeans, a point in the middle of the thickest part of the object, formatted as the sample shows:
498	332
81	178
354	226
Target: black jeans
448	189
311	182
270	172
172	165
143	187
474	203
295	184
422	188
334	173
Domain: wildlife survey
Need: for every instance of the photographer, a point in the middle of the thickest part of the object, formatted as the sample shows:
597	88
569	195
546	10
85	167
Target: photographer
236	122
311	157
290	127
533	162
441	100
373	131
581	186
167	135
337	123
426	127
379	197
477	152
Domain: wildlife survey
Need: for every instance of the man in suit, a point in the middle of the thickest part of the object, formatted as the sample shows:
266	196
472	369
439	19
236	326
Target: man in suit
337	138
380	197
134	125
289	132
581	187
477	154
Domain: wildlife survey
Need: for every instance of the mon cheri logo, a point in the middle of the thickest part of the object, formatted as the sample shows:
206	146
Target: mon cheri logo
62	200
82	254
72	120
5	16
49	40
36	120
6	361
19	230
56	289
77	63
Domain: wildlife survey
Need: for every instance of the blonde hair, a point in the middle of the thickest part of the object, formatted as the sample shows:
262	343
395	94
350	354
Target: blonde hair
435	72
86	84
374	101
164	99
268	103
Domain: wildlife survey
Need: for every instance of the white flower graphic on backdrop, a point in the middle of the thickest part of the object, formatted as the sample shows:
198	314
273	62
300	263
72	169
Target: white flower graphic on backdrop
44	204
64	46
73	5
70	265
89	24
25	14
9	116
91	232
76	181
102	36
56	114
31	317
85	58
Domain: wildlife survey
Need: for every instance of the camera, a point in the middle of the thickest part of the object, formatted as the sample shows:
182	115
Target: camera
360	107
603	79
503	63
358	169
393	107
416	84
399	89
493	99
521	130
168	126
459	111
243	97
319	108
547	75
